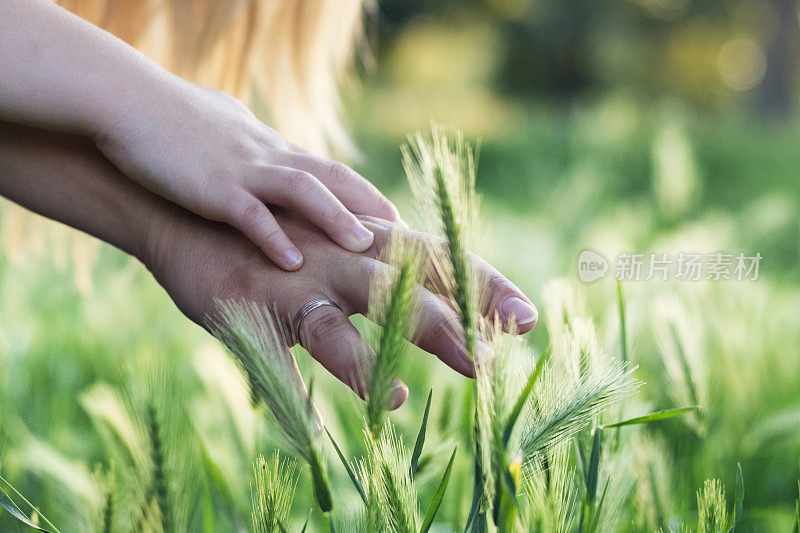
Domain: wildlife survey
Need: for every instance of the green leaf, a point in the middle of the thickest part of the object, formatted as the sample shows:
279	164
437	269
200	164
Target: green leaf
215	474
474	507
481	524
207	507
739	502
797	510
322	491
437	498
594	526
593	471
348	468
281	527
11	507
591	474
523	396
580	459
652	417
305	525
423	428
477	486
623	334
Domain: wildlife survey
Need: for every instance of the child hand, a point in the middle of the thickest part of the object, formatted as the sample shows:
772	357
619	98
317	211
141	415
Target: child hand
205	151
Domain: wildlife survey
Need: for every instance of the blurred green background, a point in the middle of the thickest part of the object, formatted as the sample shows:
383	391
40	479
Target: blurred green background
622	125
647	117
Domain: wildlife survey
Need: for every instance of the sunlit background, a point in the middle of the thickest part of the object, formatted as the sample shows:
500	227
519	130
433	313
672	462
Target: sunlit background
610	124
632	126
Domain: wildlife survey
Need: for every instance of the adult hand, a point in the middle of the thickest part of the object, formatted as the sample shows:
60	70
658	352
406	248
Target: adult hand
207	152
198	263
199	148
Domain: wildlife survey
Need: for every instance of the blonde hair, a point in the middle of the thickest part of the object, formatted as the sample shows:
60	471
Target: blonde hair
286	58
289	56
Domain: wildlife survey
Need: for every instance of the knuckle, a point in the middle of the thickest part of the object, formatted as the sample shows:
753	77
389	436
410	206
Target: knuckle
229	208
273	235
252	212
337	171
339	216
298	183
243	149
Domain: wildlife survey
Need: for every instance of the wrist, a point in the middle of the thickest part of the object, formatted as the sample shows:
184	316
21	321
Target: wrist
139	107
157	223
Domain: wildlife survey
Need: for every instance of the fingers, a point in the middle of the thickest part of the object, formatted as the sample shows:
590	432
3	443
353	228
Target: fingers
504	299
437	328
302	192
332	340
499	297
355	192
256	222
439	332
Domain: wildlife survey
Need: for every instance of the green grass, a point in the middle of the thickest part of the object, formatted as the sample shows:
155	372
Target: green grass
68	372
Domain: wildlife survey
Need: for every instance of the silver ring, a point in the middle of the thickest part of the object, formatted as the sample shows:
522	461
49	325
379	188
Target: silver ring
306	309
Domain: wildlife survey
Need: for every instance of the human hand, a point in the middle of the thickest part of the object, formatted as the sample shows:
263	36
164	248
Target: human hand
199	263
205	151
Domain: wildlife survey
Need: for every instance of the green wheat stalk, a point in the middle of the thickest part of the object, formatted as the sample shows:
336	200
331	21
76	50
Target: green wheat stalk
159	476
257	343
275	483
391	349
711	508
392	503
563	409
458	260
442	176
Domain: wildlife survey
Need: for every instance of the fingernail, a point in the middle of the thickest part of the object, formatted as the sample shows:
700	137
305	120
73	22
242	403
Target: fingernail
293	258
360	238
522	312
399	394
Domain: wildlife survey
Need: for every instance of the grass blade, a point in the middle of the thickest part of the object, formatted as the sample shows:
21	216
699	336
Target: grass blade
739	502
523	396
321	490
348	468
477	488
11	507
595	525
423	428
437	498
652	417
593	471
28	503
591	474
623	332
797	510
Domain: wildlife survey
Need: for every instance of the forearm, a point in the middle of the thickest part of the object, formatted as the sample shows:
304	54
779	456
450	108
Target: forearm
65	178
58	71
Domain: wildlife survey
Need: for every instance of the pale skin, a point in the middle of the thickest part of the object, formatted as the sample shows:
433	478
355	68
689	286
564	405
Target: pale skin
197	261
199	148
